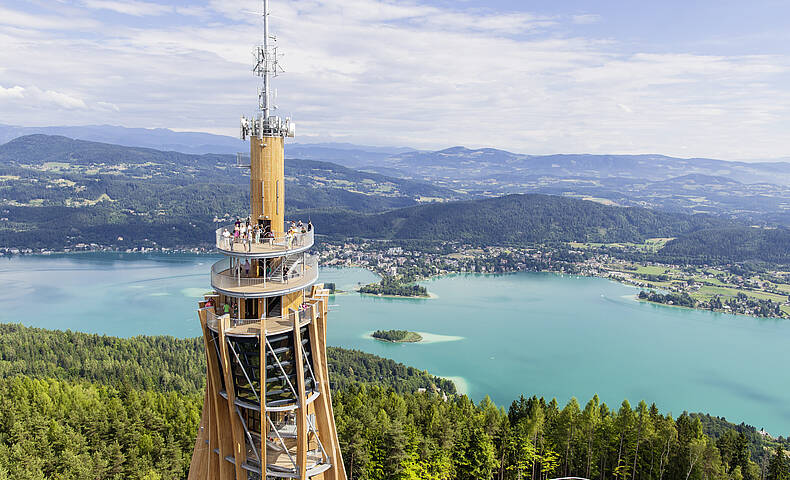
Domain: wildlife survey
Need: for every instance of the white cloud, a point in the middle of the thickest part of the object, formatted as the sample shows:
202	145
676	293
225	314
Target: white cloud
47	100
40	20
108	106
13	92
586	19
372	71
129	7
58	99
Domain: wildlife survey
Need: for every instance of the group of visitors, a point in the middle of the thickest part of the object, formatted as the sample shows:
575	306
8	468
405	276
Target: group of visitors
224	308
295	231
248	234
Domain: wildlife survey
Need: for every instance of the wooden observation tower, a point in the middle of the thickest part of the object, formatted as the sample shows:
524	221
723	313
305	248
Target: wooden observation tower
267	412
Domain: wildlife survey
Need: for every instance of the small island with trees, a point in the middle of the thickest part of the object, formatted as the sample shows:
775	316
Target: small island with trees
391	287
397	336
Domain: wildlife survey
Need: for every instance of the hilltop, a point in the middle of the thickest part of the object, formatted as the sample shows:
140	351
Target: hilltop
757	192
59	192
56	189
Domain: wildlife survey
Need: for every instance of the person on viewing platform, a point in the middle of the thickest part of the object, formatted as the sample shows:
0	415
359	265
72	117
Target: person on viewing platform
249	239
309	226
246	268
267	233
225	308
226	238
257	234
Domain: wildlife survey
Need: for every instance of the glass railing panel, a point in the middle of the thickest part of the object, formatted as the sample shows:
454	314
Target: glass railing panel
294	270
226	240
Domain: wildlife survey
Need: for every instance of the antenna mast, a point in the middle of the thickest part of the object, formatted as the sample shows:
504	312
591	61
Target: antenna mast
266	65
267	58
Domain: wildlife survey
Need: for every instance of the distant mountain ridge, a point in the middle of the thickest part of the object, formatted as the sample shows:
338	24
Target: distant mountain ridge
157	138
192	142
754	192
87	189
523	219
56	191
463	163
517	219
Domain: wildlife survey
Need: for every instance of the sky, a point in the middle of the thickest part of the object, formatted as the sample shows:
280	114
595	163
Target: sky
678	77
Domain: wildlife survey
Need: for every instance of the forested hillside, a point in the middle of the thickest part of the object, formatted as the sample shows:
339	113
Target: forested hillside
167	364
732	244
55	191
535	219
516	219
114	419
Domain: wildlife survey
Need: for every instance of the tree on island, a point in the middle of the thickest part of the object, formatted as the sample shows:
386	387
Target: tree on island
391	286
397	335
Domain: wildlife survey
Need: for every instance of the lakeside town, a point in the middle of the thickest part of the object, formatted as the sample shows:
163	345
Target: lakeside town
761	291
728	289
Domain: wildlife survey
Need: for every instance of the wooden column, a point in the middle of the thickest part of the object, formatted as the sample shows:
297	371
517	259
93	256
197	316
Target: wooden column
262	393
301	412
239	441
337	461
219	423
214	460
323	407
198	467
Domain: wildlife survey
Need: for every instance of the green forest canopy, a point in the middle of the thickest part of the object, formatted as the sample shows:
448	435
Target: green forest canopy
110	420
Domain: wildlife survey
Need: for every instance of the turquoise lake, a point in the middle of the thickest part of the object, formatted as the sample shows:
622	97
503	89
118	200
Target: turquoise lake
501	335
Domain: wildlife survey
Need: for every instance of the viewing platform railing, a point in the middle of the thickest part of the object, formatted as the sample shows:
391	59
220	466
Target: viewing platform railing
275	244
294	272
273	324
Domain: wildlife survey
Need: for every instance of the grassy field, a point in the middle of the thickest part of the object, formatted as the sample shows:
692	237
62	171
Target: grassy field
650	245
680	280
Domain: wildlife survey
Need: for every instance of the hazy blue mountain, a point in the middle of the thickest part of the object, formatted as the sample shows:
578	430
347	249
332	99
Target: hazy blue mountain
475	167
353	147
198	142
758	192
157	138
57	191
45	170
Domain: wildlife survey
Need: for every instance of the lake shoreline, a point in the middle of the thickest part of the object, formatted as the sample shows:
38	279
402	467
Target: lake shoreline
198	251
500	332
407	297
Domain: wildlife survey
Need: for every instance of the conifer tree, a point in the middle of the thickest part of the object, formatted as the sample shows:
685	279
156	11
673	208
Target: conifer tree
777	469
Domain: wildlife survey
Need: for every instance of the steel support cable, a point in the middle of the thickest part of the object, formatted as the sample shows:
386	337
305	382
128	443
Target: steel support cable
249	382
282	442
277	359
247	432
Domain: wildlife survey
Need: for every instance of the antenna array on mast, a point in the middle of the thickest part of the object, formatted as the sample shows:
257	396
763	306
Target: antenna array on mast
266	66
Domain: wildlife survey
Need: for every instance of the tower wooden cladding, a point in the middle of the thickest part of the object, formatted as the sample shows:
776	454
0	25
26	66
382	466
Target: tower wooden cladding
267	178
286	425
267	411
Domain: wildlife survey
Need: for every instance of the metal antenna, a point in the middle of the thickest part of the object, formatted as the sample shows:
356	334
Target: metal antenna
265	62
266	66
